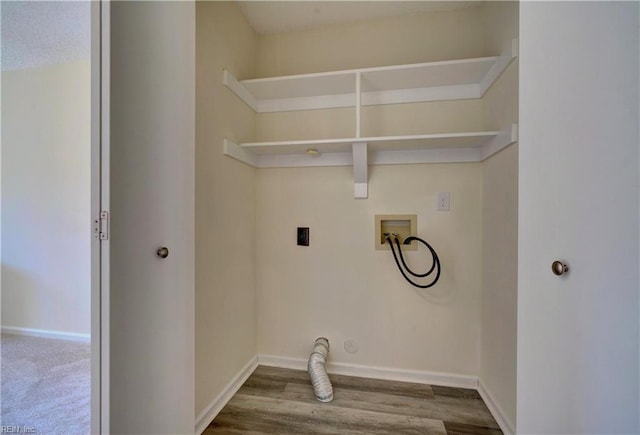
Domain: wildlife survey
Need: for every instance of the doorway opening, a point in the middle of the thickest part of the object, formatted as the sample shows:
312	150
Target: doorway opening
47	247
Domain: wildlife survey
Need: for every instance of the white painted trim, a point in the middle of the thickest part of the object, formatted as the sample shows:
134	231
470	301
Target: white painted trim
105	204
360	170
479	136
256	146
436	155
209	413
282	362
237	152
384	373
360	190
230	81
515	47
404	157
304	160
306	103
0	187
495	141
46	333
319	75
497	68
334	97
501	418
370	98
373	69
499	142
422	95
514	132
97	25
358	103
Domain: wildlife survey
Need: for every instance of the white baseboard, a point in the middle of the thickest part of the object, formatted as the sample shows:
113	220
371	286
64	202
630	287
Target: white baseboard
45	333
505	424
385	373
206	417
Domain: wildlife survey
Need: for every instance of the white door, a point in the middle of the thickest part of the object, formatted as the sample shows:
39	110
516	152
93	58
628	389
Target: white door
151	180
578	342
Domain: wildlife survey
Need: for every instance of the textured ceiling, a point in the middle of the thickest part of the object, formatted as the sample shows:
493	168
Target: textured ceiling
39	33
268	17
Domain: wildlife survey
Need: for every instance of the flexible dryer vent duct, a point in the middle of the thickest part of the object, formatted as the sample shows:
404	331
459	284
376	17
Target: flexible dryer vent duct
319	378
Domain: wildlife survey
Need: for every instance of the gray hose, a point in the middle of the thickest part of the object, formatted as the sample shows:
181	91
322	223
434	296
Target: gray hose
319	379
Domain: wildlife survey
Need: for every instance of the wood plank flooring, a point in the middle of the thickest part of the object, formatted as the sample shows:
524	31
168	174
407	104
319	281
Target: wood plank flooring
281	401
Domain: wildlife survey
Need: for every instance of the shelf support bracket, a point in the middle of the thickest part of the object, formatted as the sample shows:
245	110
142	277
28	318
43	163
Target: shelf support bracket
360	170
237	152
501	64
238	88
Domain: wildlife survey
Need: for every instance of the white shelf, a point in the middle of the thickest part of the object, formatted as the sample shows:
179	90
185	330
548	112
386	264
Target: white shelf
360	152
380	143
432	81
423	82
426	148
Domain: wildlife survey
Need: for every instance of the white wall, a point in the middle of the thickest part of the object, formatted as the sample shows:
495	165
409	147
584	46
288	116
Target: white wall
339	286
225	204
415	38
500	224
342	288
578	335
152	189
400	40
499	280
46	222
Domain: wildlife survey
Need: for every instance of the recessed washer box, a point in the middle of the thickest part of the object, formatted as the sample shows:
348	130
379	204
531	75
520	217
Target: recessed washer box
405	225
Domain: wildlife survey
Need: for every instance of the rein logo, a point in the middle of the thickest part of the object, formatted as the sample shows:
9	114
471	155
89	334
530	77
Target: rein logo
17	429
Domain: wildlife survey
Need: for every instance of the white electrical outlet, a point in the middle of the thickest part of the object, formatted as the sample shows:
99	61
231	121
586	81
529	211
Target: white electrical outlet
444	201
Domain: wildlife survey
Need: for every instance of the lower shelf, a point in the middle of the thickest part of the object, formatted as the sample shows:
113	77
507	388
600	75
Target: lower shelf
428	148
365	151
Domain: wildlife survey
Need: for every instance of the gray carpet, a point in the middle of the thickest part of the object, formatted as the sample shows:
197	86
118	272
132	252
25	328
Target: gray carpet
46	385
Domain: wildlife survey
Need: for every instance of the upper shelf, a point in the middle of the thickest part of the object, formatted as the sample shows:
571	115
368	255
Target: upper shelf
432	81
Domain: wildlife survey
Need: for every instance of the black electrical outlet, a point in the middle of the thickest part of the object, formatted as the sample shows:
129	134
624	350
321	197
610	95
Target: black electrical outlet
303	236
